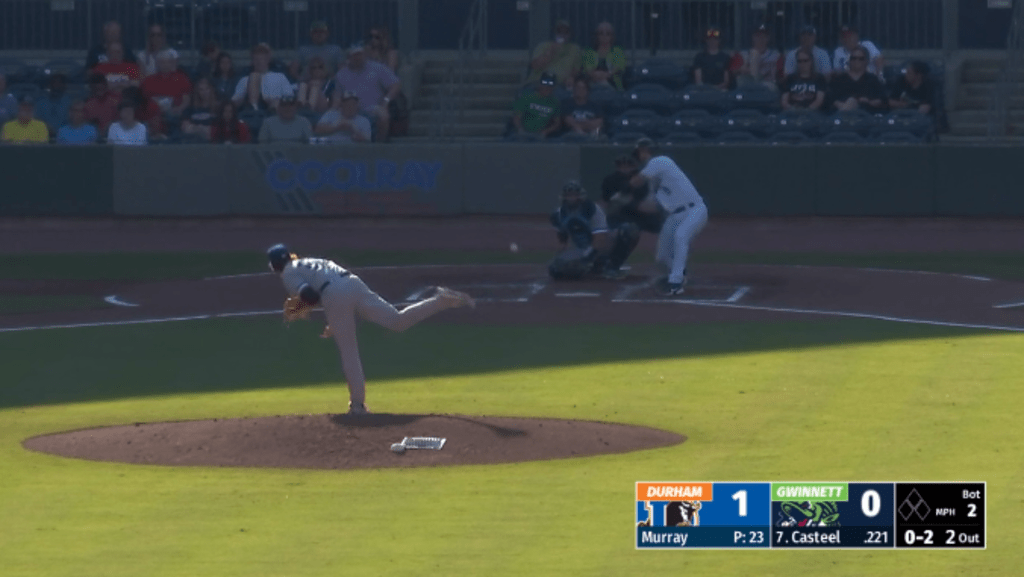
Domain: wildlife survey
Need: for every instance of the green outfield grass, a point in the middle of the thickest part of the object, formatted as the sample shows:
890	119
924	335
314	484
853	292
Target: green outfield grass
842	400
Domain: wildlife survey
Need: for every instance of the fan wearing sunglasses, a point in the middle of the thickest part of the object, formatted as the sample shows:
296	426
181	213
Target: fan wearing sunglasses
711	66
858	89
805	88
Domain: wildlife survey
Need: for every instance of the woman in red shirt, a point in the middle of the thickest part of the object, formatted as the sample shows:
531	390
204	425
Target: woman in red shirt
227	128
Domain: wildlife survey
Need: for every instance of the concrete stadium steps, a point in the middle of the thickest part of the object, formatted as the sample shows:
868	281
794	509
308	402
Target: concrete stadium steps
503	90
482	109
467	102
979	78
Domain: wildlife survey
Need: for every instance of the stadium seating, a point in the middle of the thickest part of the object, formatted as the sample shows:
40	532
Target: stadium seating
808	122
254	120
736	137
638	120
842	137
15	70
675	138
790	137
908	120
627	138
697	121
665	72
609	99
752	121
703	98
650	96
73	71
899	137
757	97
25	89
856	121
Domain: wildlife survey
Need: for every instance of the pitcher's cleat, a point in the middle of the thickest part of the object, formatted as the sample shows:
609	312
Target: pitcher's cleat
360	409
459	299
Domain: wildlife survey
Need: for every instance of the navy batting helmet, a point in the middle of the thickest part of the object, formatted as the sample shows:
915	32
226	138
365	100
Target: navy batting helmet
278	256
573	186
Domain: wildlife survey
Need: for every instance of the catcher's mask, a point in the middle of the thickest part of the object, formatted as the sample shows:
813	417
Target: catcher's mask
278	256
573	193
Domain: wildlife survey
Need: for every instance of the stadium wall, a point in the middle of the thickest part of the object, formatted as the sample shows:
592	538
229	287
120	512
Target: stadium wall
499	178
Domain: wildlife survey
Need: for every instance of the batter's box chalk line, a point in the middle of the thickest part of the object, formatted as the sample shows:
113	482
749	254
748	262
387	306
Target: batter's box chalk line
730	294
489	292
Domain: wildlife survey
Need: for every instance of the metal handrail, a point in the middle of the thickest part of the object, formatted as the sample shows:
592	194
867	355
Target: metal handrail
999	121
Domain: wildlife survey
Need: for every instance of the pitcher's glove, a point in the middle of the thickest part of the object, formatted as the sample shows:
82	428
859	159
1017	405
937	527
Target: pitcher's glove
295	308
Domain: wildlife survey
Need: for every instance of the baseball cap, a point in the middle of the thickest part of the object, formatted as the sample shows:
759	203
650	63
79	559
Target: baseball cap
548	79
563	24
26	100
848	29
348	95
288	99
356	48
713	32
808	29
318	25
762	29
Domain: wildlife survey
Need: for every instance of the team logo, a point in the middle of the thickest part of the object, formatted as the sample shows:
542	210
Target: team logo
682	514
808	514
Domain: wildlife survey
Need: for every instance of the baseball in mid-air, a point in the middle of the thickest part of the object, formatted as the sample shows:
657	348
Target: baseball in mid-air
513	247
398	448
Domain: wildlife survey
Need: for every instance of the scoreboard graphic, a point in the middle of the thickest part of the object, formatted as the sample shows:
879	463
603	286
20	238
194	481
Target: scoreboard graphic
810	515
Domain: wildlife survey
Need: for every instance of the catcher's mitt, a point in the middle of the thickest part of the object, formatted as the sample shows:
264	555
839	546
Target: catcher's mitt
295	308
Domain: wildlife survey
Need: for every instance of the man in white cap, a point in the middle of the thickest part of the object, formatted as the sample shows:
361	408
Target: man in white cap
169	87
343	123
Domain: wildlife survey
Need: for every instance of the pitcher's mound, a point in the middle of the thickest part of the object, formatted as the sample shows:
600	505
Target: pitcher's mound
350	442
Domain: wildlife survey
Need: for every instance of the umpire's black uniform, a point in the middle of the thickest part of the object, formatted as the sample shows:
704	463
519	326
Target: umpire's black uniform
618	181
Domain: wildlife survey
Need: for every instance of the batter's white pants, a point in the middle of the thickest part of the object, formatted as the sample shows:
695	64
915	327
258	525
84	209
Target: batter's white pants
674	241
347	297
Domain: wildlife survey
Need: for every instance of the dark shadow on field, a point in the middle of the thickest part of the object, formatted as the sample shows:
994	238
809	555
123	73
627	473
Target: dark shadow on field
51	367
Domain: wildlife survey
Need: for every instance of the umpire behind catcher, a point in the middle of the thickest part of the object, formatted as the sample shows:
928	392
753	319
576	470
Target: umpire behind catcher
622	201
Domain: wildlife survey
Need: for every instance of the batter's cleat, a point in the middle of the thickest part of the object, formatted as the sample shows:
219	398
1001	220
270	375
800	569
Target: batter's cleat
458	299
614	274
672	289
359	409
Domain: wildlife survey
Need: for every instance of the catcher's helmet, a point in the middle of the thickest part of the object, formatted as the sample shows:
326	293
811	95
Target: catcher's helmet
640	144
278	256
573	186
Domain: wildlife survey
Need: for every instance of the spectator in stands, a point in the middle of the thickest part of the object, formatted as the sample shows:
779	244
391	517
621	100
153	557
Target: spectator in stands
343	123
711	65
858	89
224	77
804	89
262	89
120	74
849	39
147	111
538	113
759	65
227	128
54	108
312	93
127	130
914	89
286	125
561	57
209	54
605	63
375	84
8	103
101	106
330	54
197	118
98	53
156	42
25	129
77	130
169	87
579	114
379	48
808	41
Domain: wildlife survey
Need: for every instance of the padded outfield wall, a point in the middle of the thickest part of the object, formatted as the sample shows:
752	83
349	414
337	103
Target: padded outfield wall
499	178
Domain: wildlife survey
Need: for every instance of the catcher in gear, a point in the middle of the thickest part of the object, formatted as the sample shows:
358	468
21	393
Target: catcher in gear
582	231
344	297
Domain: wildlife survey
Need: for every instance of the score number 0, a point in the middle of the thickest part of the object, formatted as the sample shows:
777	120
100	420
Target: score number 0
870	502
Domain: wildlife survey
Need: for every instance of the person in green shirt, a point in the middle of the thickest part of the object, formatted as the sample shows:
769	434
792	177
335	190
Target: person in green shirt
561	57
605	62
538	113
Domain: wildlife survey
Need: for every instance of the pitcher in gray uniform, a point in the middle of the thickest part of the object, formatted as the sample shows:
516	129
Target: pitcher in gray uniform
312	281
686	213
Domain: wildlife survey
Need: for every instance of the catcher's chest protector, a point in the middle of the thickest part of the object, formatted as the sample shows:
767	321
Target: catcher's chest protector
575	222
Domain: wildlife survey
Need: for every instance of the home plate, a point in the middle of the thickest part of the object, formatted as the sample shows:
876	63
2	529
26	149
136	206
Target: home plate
578	294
